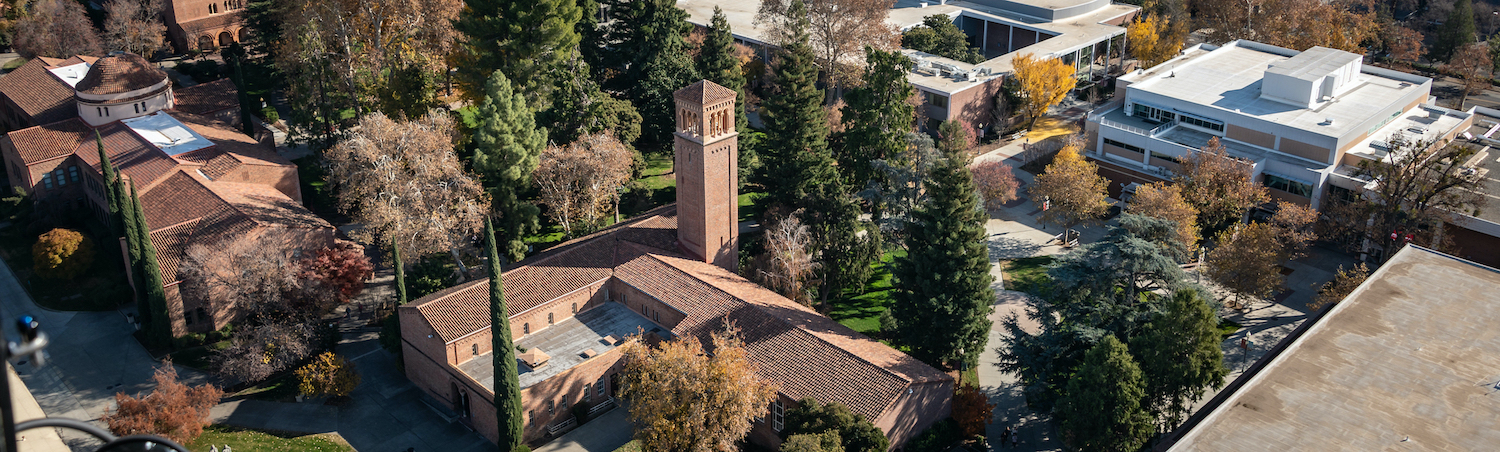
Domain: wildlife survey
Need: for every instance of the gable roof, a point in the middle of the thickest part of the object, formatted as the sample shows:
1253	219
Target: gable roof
207	98
39	93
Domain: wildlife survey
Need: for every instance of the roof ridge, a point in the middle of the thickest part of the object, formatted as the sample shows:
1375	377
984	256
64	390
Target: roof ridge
793	326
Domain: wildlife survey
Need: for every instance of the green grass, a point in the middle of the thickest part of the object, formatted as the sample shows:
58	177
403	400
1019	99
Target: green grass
282	388
12	64
632	446
267	441
1028	274
861	311
749	210
1227	327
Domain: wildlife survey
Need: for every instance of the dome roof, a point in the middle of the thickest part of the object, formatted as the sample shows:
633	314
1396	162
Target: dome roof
118	73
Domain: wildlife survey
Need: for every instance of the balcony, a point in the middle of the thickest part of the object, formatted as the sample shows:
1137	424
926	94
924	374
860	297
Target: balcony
1114	116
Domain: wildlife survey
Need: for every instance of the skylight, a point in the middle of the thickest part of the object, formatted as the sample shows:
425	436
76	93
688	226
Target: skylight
167	133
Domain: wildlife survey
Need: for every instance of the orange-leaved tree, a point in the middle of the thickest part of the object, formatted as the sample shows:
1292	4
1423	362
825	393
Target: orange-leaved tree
1071	188
62	254
996	182
682	399
972	410
1040	83
1165	201
173	410
1221	187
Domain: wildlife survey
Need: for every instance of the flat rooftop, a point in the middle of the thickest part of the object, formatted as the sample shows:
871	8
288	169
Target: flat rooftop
71	74
565	342
167	133
1487	162
1229	79
1409	361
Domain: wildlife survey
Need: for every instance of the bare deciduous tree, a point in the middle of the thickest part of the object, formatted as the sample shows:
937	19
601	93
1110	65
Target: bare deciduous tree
256	353
172	409
840	31
57	29
580	182
788	260
1472	63
257	277
403	182
134	26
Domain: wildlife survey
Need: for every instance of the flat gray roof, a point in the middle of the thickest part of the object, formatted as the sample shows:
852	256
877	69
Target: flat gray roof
1229	79
1409	361
1487	161
565	343
1313	64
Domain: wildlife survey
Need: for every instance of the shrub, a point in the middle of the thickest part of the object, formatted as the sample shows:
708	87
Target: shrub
581	413
939	436
521	448
270	115
62	254
327	374
173	409
972	410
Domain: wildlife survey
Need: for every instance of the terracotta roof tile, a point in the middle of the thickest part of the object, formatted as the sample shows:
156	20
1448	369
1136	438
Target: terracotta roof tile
266	205
50	141
138	159
179	198
171	244
704	93
207	98
39	93
120	73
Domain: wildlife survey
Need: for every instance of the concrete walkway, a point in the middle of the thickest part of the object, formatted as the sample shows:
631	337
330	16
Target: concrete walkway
604	434
26	408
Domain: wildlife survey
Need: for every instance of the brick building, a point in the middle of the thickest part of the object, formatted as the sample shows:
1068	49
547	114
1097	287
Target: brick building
667	273
201	180
205	25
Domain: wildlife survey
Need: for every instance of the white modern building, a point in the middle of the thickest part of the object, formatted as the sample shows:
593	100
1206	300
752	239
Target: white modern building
1304	120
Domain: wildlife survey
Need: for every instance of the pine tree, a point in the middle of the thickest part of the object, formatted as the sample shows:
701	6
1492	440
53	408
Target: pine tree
1101	410
507	378
877	116
1455	33
159	328
526	40
718	63
650	45
1179	355
508	145
796	125
943	297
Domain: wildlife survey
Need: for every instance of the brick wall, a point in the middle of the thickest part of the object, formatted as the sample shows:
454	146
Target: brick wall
462	349
916	410
646	305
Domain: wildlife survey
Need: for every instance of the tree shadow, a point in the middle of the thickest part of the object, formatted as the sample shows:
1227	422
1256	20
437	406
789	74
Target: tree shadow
1005	247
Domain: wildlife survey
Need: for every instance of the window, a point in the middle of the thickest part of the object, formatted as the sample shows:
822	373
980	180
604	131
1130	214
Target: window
575	308
1128	147
525	328
936	100
73	173
47	180
550	407
643	309
1298	188
1153	114
106	111
587	394
61	181
1158	155
656	316
137	107
564	404
777	415
213	9
1210	124
549	318
599	387
475	348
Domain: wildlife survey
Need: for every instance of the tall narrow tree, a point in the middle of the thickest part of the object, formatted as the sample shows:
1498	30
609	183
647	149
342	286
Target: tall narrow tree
943	297
111	192
507	378
509	145
527	40
877	116
796	124
718	63
400	273
159	330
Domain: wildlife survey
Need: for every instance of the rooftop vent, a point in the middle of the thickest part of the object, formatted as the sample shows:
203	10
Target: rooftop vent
1327	121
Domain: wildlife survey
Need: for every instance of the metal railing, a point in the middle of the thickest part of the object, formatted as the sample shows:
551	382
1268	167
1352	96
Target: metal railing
561	426
606	405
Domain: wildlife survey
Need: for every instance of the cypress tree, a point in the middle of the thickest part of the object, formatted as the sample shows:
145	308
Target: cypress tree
111	193
400	274
717	62
943	297
1101	410
1456	32
508	147
390	329
528	40
247	116
507	377
877	117
159	330
796	125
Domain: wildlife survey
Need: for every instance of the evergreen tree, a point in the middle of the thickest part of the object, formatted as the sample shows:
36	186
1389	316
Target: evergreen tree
718	63
1455	33
943	297
111	192
1101	410
390	329
508	145
526	40
1179	355
236	57
796	125
938	35
507	378
580	107
877	116
400	273
159	327
649	45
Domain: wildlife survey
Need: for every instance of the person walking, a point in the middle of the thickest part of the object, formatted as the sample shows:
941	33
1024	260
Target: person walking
1005	435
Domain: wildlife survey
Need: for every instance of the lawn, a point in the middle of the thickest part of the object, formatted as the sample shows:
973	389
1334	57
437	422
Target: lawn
632	446
1028	274
316	193
267	441
861	312
749	210
198	357
1227	327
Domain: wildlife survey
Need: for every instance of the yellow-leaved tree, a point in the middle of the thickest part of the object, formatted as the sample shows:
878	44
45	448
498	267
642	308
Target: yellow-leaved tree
1165	201
327	374
682	399
1040	84
1071	189
1154	40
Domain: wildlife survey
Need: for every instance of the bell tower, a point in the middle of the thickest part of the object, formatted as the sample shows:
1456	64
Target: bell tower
706	149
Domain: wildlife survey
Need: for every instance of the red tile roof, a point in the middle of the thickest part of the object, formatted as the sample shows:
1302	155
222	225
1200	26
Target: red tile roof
50	141
207	98
133	156
38	93
120	73
808	354
704	93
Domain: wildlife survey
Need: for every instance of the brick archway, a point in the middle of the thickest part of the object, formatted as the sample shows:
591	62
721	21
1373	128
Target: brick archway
205	43
225	39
